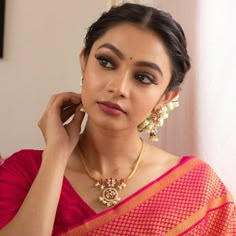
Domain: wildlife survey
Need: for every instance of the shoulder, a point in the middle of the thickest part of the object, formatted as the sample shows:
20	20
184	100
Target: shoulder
193	172
202	169
24	157
155	156
201	175
17	174
24	162
193	167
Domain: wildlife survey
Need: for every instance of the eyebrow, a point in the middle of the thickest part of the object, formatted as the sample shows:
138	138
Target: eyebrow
114	49
138	63
149	64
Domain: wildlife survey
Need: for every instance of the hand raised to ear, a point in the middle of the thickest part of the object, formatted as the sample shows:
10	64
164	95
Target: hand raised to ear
60	138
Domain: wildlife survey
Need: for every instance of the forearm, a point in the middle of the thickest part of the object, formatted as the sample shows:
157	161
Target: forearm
37	213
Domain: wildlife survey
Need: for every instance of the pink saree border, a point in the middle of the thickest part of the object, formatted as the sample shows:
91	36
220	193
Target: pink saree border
186	164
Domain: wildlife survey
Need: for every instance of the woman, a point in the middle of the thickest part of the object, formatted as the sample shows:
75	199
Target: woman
107	181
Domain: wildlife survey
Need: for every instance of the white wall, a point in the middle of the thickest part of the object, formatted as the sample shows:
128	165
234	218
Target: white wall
217	87
42	42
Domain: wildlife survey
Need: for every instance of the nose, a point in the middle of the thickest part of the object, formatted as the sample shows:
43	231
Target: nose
119	85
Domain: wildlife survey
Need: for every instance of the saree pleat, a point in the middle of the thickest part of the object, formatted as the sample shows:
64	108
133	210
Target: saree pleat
188	200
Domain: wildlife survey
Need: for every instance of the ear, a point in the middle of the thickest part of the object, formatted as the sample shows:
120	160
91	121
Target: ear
166	98
83	61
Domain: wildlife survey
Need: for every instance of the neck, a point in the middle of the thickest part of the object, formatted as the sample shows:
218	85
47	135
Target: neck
108	153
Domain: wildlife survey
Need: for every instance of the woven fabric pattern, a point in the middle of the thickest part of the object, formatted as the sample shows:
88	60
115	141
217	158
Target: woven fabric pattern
177	203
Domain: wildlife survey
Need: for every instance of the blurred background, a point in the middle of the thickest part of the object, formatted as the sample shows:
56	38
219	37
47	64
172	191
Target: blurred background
42	42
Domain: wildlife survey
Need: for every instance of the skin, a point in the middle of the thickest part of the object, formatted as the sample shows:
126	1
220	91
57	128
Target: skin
118	83
110	144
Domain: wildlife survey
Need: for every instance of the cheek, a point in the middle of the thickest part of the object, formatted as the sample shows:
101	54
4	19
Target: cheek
86	92
92	76
91	87
143	107
146	103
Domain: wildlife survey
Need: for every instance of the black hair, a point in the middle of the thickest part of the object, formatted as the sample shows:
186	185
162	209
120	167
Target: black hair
160	22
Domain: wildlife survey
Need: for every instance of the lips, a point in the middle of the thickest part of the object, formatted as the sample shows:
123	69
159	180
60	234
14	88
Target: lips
111	107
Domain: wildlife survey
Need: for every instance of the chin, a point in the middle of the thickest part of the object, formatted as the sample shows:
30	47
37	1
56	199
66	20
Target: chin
107	123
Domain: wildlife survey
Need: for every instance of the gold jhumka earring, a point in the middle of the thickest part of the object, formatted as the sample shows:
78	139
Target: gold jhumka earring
156	119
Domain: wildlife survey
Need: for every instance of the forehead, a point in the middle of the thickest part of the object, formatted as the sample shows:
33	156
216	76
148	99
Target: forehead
136	42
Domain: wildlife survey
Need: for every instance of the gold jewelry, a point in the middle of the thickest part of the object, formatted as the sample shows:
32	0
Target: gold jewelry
82	109
81	80
81	83
156	119
110	187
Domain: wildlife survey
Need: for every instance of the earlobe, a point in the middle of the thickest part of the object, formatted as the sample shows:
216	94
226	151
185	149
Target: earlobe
167	98
168	102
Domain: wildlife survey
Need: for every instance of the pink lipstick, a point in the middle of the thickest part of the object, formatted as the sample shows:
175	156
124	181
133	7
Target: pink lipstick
111	108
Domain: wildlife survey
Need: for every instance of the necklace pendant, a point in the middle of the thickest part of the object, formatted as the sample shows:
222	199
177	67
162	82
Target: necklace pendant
109	197
109	188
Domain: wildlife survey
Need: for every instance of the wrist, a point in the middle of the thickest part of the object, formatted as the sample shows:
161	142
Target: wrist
56	157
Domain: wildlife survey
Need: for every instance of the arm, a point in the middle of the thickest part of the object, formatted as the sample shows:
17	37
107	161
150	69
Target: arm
37	212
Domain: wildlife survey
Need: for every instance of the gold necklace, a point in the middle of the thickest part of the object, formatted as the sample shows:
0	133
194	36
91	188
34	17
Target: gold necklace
110	187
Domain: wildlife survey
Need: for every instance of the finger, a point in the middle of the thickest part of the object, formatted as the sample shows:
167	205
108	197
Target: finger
63	104
74	127
51	100
67	112
65	99
59	101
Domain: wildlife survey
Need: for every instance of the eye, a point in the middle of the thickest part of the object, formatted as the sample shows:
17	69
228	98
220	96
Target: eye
105	61
146	79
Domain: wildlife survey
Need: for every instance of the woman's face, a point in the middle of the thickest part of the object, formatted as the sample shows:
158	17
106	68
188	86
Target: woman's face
125	76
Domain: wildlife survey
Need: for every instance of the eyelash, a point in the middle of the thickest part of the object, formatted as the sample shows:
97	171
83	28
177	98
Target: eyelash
143	76
102	58
140	77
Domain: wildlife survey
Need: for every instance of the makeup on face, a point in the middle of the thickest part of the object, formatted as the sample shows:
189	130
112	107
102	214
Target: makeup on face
120	55
110	108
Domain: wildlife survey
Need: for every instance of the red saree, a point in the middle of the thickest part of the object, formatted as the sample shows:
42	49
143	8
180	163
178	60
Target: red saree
187	200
